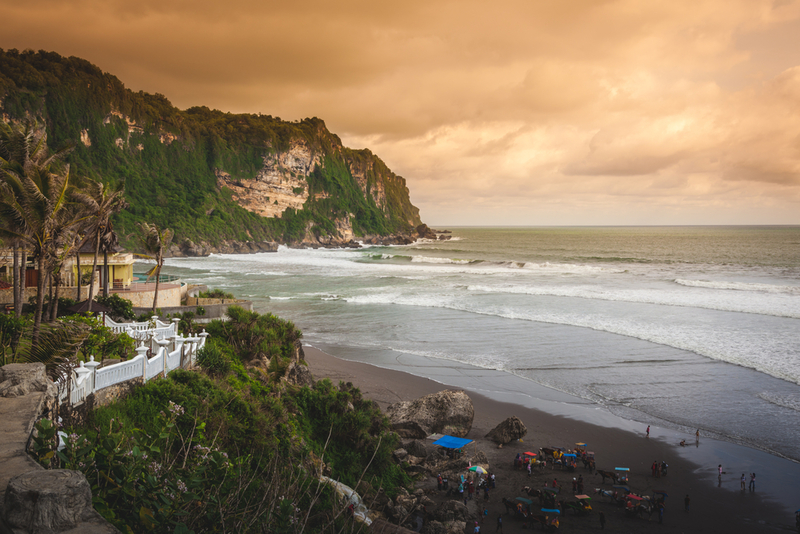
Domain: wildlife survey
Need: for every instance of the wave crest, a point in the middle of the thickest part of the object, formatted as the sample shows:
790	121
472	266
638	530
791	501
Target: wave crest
739	286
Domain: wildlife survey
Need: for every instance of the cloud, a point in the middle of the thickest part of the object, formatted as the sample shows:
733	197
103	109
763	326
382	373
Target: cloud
586	106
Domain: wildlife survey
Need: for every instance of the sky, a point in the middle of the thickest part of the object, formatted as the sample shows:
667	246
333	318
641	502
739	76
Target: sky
529	112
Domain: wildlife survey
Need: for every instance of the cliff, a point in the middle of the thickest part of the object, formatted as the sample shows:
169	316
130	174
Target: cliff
222	181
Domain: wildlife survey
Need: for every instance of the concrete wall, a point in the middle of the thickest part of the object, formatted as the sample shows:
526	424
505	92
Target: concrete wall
169	295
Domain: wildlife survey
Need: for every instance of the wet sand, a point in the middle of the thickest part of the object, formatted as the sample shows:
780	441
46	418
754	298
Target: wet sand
716	506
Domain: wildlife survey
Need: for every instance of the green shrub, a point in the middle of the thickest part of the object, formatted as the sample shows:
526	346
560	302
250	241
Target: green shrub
216	294
213	358
122	307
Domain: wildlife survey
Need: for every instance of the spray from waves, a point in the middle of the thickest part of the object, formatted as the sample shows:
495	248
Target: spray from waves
728	345
774	304
740	286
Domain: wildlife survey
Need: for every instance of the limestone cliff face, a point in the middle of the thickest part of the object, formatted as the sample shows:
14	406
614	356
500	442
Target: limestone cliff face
280	184
214	178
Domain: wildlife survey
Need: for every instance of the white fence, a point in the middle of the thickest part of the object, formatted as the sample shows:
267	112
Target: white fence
167	350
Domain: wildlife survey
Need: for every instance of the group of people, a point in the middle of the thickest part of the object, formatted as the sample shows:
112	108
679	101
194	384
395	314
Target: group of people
466	486
659	469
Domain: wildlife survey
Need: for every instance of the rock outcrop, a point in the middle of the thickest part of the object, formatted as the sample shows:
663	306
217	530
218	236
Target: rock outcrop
18	379
50	501
507	431
447	412
298	375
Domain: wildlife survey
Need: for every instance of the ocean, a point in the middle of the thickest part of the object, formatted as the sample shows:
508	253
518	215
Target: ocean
683	328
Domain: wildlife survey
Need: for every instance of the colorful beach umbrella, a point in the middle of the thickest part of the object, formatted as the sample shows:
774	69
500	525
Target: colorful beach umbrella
478	469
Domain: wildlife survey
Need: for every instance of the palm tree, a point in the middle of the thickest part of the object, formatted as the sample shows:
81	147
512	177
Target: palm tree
101	202
20	146
35	197
155	241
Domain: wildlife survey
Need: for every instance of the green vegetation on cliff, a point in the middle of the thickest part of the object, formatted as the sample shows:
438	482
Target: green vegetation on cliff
169	159
234	448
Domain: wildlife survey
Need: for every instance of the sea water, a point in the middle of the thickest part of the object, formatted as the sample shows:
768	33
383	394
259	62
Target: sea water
682	327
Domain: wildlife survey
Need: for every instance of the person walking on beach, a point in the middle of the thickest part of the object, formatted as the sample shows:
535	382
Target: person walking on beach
752	481
686	501
485	515
602	521
477	528
499	523
720	470
743	479
439	482
660	512
697	437
648	431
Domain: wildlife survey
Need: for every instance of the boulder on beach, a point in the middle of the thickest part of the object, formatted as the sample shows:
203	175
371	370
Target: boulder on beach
509	430
446	412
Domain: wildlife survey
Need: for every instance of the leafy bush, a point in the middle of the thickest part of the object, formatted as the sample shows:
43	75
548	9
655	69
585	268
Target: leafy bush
213	358
122	307
216	294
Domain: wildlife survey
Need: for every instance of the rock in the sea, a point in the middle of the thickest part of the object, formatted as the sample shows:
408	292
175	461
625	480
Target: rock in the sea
18	379
508	431
447	412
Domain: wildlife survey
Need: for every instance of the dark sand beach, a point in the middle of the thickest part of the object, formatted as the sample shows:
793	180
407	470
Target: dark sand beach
715	506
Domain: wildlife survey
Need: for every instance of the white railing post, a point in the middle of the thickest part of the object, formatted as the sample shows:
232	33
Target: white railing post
162	348
82	373
141	350
92	366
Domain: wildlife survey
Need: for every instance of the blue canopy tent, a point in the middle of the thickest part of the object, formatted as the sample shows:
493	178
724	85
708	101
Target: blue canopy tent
452	442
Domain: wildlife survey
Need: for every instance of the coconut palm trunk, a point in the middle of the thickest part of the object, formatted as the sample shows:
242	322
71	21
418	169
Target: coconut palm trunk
15	281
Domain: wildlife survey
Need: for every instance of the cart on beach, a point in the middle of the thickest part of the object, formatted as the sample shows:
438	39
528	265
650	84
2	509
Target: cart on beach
569	461
580	506
551	519
622	474
524	508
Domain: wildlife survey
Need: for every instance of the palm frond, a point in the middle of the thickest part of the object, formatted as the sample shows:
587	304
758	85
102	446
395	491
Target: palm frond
58	345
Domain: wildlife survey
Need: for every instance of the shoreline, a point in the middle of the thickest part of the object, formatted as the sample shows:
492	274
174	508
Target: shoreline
718	505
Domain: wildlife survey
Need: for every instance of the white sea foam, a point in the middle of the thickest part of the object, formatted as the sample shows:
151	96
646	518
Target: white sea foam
775	304
741	286
429	259
723	342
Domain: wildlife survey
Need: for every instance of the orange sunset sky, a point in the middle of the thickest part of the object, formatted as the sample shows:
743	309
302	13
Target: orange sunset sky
533	112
